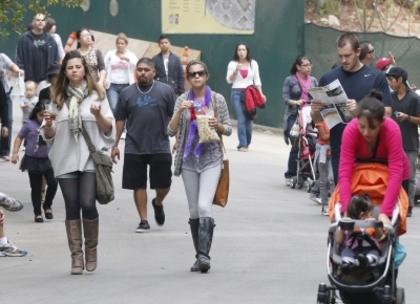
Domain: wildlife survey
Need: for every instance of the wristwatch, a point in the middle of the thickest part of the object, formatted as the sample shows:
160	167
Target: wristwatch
409	118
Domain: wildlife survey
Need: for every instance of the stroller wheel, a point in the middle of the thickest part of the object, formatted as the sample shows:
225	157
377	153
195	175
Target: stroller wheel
300	183
400	296
293	182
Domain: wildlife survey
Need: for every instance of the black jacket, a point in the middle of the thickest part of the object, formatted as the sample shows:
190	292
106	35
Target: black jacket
4	108
26	60
175	77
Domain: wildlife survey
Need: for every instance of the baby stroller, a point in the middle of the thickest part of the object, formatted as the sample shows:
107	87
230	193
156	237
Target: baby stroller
306	143
369	284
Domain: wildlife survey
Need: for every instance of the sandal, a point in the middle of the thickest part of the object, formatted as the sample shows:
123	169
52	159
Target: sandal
39	219
48	214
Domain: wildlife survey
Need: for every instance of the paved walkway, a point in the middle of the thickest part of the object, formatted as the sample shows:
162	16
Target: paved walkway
269	243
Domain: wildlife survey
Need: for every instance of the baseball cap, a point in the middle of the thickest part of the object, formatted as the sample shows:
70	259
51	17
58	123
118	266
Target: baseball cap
398	72
382	62
54	69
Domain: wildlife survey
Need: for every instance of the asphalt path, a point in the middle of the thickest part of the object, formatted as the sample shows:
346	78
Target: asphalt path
269	244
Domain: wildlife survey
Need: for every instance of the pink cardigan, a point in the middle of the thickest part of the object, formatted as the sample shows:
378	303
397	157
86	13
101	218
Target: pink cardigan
390	147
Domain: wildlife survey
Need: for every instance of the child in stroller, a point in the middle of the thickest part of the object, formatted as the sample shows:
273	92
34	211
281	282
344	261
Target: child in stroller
361	244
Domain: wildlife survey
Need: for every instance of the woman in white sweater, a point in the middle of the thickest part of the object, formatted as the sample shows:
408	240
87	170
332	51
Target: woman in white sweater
242	72
78	99
119	66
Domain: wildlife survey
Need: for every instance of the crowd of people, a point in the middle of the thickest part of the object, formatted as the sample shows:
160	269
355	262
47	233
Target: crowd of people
401	106
69	96
144	102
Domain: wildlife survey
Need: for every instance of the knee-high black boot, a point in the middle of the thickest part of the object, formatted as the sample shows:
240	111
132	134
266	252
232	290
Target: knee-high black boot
194	234
205	237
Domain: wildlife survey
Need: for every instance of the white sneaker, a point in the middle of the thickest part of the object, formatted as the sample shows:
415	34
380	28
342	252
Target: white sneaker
324	211
314	198
123	135
10	250
287	181
10	204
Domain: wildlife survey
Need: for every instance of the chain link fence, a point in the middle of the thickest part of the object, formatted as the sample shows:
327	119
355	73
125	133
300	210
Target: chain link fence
320	48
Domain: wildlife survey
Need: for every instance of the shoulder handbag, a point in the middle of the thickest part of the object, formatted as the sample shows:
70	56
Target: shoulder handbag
103	168
222	190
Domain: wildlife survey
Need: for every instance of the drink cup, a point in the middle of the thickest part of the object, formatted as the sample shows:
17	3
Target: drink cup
52	110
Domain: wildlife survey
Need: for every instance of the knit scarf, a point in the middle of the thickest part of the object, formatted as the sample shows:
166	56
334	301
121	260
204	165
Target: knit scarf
76	95
305	84
193	129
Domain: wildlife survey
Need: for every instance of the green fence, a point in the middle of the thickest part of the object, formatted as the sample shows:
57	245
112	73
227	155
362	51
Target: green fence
320	48
277	39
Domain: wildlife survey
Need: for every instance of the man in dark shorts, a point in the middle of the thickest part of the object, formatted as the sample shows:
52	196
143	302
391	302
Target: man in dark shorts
146	106
406	106
357	81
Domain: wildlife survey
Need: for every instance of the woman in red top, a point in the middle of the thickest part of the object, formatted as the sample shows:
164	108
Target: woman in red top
373	136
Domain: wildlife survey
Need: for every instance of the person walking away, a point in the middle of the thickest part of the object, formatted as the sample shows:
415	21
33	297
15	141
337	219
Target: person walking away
146	106
406	106
80	106
7	65
37	163
35	52
168	66
199	164
242	72
295	95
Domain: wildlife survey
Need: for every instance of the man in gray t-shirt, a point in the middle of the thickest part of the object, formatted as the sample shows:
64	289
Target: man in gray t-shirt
406	108
146	107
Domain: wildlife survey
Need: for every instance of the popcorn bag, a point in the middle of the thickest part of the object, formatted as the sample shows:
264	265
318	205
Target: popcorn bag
205	133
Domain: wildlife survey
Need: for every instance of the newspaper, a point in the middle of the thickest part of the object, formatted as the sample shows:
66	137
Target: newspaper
334	98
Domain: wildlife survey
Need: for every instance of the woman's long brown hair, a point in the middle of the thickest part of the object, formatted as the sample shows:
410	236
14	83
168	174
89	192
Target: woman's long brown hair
59	90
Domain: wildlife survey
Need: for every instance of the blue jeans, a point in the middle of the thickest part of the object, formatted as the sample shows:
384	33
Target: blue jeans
293	156
113	93
244	125
6	141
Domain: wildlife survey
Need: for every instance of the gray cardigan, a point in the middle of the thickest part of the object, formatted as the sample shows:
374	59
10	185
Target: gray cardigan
66	154
223	118
292	91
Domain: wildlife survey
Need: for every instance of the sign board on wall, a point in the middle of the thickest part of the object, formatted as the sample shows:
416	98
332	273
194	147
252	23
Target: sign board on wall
208	17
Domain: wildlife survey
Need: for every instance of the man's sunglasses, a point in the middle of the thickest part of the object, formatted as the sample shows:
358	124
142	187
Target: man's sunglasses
371	51
199	73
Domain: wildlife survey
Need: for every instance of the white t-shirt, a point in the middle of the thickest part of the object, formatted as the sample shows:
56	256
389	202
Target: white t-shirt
118	73
253	77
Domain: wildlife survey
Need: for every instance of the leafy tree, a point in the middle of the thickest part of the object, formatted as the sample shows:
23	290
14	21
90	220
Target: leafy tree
13	11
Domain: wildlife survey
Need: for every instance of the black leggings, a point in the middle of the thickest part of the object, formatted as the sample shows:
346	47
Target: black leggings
80	193
35	179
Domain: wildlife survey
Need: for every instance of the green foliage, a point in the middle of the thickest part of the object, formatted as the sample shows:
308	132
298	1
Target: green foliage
13	11
331	7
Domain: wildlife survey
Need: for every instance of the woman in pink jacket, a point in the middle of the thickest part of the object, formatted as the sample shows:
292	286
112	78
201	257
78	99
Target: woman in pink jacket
373	136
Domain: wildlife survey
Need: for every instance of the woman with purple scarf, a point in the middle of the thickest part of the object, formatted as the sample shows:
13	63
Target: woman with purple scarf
199	164
295	95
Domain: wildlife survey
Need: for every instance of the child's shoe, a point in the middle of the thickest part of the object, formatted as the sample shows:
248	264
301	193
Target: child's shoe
10	204
10	250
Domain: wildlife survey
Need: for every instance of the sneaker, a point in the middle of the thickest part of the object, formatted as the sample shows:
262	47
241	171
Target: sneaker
287	181
159	213
143	227
10	250
10	204
5	159
123	135
314	197
324	211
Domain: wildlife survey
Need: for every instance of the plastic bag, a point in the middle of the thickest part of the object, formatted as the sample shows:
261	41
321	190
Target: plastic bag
205	133
18	87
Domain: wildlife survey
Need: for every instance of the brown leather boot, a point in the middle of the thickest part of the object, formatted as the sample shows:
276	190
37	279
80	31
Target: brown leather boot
91	232
74	238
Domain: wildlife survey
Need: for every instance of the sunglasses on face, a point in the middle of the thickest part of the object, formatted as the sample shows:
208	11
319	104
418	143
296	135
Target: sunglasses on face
307	65
199	73
371	51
